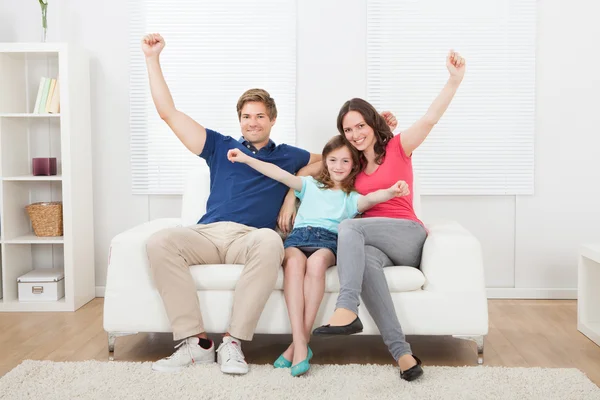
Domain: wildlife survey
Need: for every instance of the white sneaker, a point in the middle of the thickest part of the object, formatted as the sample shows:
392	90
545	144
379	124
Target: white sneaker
188	352
230	357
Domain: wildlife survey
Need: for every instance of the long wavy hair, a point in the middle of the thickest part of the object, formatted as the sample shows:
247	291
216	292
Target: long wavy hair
324	178
383	134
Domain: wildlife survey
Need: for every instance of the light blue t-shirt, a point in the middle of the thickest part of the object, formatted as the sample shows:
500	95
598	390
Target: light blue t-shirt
324	208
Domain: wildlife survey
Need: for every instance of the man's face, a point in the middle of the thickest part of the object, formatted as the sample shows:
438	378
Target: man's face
255	123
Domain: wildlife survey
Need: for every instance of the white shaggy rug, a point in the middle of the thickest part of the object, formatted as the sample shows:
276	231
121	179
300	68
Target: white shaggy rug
128	380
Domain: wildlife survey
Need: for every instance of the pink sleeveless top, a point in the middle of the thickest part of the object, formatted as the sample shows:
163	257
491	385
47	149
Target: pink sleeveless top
396	166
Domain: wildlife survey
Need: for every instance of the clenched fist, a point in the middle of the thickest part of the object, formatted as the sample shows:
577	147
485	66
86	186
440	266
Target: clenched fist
236	155
456	65
399	189
152	44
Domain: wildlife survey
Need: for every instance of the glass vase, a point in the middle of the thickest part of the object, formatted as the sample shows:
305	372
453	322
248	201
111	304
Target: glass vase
44	23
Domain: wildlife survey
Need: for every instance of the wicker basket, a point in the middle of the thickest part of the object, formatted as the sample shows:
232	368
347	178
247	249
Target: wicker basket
46	218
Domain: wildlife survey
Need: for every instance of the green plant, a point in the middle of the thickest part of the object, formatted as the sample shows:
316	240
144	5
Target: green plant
44	6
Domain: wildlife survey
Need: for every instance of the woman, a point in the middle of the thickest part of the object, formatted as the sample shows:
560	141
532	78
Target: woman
389	233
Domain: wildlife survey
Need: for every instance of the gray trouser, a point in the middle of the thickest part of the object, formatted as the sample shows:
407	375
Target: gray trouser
365	247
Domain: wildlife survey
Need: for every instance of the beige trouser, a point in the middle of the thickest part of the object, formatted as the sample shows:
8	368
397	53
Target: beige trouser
173	250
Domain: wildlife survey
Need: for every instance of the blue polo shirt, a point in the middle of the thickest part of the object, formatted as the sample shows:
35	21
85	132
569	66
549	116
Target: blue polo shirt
240	194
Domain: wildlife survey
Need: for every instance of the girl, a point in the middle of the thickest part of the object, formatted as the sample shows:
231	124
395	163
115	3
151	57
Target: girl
311	247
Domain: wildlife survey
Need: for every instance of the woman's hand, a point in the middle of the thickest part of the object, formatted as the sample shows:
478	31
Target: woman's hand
456	65
236	155
399	189
287	214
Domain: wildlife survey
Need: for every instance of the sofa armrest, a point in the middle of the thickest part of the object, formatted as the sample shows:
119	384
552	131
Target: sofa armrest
128	260
144	231
452	259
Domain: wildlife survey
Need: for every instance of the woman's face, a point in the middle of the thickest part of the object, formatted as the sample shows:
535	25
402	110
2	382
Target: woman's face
357	131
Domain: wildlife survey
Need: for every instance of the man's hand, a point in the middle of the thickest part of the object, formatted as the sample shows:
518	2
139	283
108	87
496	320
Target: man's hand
236	155
399	189
390	120
456	65
152	45
287	214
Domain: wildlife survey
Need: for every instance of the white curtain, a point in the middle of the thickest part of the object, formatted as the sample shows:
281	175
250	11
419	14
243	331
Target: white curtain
484	144
215	50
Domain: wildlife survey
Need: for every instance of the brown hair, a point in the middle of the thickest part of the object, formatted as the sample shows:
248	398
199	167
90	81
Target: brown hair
258	95
383	134
324	178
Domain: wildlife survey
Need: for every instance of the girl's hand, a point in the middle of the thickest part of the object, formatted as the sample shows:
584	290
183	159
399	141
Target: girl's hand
399	189
456	65
236	155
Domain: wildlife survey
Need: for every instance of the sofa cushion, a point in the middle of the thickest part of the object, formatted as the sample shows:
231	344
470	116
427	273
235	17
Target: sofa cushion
225	276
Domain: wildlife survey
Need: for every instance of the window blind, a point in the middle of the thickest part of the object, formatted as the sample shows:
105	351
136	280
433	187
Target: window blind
214	52
484	144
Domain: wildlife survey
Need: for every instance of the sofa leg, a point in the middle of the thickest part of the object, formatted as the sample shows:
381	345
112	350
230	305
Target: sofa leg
479	341
112	338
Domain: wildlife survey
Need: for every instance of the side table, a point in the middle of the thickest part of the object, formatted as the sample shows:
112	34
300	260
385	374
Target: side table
588	292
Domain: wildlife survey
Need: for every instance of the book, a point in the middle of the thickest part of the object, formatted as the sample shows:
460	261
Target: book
38	98
50	94
42	107
54	107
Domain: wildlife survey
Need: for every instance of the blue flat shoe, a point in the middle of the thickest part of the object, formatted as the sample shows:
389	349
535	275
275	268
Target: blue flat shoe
283	362
303	366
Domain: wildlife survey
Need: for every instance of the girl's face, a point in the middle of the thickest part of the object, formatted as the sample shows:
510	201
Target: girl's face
357	132
339	164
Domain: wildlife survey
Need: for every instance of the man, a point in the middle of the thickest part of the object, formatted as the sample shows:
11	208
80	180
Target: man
237	228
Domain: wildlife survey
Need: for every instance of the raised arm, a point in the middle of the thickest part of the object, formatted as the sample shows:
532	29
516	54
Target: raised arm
370	200
191	133
415	135
268	169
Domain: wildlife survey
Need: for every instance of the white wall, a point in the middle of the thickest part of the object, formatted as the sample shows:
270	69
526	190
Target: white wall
530	242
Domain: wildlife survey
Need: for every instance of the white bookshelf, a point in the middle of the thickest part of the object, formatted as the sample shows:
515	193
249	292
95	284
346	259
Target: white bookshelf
66	136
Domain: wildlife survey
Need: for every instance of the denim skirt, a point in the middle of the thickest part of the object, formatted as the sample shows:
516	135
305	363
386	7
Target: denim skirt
310	239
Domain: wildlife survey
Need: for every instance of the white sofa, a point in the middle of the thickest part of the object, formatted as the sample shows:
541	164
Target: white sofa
445	297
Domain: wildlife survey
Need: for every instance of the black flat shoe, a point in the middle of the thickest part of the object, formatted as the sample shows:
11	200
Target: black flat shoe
354	327
413	372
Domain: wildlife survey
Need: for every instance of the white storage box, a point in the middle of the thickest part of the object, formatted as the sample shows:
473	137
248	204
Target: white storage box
44	284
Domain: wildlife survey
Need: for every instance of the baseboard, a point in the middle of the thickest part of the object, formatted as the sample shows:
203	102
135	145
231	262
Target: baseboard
531	293
492	293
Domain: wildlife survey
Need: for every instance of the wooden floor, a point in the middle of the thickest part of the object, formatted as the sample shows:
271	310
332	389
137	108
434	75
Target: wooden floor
523	333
